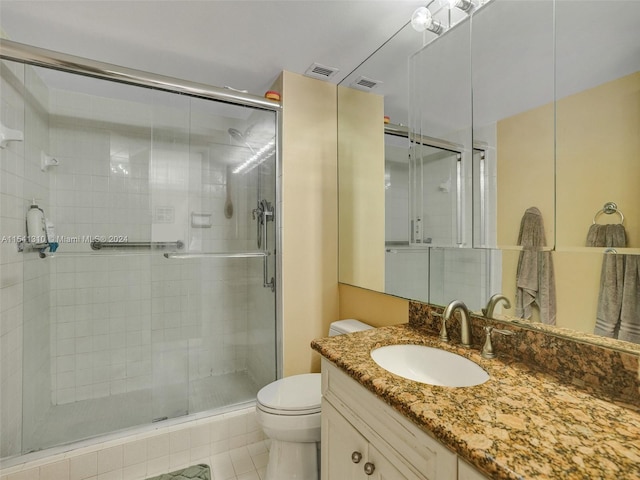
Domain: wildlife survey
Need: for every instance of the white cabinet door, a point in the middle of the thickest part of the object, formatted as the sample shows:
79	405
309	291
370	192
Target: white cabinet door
340	441
347	455
384	469
467	472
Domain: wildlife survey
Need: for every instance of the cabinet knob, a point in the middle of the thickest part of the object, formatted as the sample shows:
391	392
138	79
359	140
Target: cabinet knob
369	468
356	457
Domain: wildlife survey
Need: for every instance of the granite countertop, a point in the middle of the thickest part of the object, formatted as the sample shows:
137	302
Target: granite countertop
521	423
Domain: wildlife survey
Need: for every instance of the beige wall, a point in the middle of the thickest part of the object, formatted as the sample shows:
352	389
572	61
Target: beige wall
361	189
597	152
309	217
598	159
373	308
525	171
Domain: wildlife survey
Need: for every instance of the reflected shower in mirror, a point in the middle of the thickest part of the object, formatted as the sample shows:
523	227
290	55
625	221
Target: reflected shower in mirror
422	259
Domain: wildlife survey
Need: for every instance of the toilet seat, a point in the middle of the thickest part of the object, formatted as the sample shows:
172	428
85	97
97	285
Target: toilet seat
295	395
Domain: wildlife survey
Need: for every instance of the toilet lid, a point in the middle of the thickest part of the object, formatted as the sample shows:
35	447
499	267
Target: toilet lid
298	394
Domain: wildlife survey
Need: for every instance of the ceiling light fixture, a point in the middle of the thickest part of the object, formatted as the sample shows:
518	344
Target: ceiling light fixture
464	5
422	20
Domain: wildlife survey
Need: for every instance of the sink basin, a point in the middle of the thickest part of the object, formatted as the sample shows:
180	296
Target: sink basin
429	365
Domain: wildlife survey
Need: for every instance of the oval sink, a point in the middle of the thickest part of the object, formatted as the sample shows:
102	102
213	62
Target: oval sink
429	365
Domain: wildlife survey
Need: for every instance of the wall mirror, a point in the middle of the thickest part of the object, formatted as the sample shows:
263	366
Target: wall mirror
589	53
512	64
598	121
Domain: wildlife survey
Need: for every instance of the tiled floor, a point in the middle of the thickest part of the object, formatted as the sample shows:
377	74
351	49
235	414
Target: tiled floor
244	463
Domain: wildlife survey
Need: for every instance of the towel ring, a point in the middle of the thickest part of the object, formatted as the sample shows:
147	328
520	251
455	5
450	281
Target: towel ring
609	208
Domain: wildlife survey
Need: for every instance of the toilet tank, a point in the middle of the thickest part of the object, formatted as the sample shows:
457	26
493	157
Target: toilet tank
349	325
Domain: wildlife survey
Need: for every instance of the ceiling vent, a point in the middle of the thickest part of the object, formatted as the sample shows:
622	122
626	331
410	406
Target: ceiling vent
366	84
320	71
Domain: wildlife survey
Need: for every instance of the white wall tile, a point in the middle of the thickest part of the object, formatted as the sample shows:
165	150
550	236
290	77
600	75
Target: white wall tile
83	466
158	446
110	459
55	471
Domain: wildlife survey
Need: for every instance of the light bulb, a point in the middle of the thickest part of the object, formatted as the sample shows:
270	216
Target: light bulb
422	20
464	5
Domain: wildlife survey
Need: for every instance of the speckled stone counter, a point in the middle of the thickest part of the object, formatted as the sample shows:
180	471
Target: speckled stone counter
521	423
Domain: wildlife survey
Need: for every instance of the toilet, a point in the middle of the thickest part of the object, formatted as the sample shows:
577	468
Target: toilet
288	410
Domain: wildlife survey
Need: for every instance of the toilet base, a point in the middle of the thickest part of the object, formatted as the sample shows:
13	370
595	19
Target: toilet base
292	461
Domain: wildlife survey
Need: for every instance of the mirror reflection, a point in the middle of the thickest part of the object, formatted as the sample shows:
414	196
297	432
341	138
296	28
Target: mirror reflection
554	126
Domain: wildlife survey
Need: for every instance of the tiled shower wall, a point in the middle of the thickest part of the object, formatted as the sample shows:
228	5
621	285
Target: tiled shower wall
24	296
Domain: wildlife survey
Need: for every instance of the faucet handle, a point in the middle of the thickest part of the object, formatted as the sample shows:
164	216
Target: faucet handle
444	336
487	348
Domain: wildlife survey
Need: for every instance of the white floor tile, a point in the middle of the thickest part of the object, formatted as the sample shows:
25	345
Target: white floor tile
249	476
222	467
241	460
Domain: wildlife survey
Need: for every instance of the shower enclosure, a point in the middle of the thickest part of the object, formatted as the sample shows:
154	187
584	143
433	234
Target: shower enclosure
424	223
153	293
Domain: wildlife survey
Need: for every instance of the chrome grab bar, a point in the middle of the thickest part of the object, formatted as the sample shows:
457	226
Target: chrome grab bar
98	245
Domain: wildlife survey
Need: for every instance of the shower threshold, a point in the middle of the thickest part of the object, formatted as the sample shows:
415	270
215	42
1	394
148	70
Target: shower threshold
73	422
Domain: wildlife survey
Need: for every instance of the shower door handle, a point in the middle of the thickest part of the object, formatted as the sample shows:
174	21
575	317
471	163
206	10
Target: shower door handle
265	214
459	181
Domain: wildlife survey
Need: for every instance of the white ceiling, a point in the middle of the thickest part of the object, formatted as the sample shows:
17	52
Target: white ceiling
245	44
237	43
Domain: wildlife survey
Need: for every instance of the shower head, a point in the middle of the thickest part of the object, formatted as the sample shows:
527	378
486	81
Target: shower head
240	137
236	134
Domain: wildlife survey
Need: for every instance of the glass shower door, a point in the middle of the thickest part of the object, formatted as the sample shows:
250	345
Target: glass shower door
230	259
159	300
169	182
435	196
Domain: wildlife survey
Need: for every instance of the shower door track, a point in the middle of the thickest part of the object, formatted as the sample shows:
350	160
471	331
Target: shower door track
41	57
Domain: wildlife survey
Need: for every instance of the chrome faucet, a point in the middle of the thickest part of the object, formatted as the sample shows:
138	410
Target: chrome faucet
493	301
465	324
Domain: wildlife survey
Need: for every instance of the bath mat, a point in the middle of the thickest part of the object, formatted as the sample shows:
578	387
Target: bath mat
195	472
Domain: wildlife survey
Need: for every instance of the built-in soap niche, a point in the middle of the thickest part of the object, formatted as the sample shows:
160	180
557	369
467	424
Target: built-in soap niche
201	220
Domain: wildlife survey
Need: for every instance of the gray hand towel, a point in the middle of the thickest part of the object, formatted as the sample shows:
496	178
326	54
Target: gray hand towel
535	280
610	296
612	235
630	311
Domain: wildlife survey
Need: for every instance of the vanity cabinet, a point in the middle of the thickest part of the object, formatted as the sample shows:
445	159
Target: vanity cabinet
364	438
350	455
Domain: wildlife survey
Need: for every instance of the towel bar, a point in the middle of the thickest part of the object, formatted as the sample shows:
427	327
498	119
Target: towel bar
609	208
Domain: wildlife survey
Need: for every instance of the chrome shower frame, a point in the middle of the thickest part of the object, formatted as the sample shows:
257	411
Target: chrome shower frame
41	57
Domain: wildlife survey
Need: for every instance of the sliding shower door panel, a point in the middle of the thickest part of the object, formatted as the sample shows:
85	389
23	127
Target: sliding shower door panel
149	302
232	170
436	197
